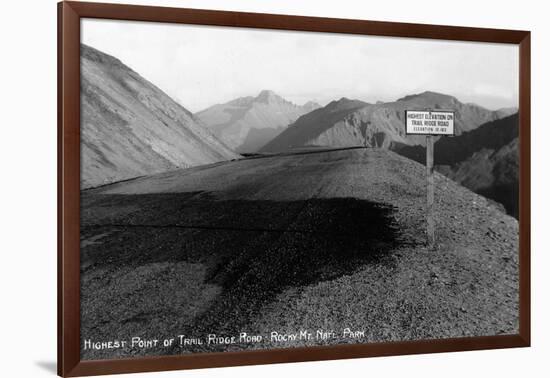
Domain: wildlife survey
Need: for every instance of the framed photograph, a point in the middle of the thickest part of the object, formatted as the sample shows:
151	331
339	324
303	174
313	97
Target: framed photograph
240	188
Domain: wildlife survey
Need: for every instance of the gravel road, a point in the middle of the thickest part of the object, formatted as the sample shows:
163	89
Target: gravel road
322	241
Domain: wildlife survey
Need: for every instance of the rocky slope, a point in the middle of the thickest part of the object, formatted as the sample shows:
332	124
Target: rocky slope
248	123
354	123
129	127
485	160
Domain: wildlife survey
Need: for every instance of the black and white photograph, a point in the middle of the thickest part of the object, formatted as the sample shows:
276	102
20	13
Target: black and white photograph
275	188
248	189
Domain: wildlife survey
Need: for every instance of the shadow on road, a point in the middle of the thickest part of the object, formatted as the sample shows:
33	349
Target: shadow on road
253	250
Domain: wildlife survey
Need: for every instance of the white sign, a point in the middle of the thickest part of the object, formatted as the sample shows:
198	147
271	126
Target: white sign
425	122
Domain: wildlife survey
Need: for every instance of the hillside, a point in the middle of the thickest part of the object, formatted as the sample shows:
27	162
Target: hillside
494	174
353	123
130	128
247	123
317	123
485	160
322	240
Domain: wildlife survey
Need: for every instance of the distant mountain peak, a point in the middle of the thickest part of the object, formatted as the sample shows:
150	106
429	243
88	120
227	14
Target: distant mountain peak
247	123
427	94
311	105
267	92
268	96
344	103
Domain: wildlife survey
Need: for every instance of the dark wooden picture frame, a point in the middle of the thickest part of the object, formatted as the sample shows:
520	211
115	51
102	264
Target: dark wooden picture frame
69	16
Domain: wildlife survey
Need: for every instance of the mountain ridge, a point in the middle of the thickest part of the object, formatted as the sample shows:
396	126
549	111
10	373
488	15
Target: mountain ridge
375	125
130	127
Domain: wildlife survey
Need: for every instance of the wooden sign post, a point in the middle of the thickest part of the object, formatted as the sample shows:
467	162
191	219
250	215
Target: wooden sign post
430	191
430	123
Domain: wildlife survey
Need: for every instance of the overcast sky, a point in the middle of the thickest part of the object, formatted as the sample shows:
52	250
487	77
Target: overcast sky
200	66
